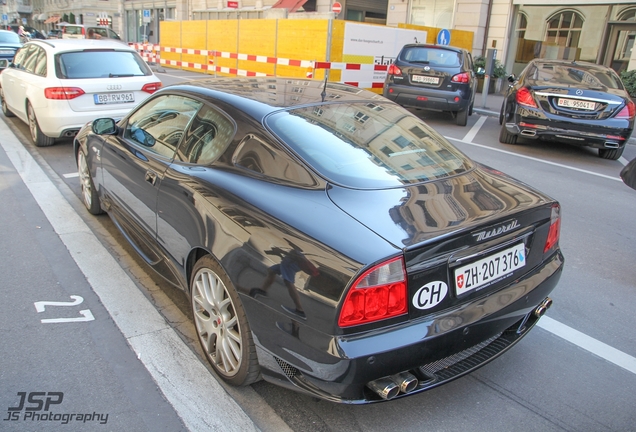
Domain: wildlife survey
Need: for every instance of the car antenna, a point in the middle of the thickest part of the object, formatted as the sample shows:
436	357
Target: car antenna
324	87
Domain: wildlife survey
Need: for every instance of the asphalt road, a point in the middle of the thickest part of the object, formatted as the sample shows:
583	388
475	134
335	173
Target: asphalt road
576	371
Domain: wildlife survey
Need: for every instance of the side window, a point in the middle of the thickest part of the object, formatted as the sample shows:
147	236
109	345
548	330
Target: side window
40	64
159	125
20	55
257	156
30	57
208	135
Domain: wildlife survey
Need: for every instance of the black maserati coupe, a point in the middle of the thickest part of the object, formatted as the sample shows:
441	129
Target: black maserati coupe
329	240
574	102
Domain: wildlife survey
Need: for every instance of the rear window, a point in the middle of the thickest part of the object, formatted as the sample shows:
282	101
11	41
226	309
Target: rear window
431	56
74	30
368	145
576	74
100	64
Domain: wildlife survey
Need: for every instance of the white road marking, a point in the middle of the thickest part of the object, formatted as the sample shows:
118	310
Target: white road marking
71	175
592	345
623	160
475	129
535	159
200	401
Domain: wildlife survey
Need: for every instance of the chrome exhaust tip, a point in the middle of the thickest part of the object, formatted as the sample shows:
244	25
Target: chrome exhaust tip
543	307
611	144
529	133
406	381
385	388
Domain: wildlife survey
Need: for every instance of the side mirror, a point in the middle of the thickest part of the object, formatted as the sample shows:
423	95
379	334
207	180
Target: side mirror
480	72
628	174
512	78
104	126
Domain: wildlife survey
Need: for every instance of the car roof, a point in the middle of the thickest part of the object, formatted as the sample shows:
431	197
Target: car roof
80	44
260	96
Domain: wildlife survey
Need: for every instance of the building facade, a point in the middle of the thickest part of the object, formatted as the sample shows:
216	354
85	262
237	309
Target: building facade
600	31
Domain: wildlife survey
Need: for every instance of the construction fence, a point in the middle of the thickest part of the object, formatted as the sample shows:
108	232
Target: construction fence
350	52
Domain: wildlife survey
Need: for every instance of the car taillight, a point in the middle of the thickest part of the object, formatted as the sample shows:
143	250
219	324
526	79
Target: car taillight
628	111
151	88
461	78
524	97
59	93
394	70
378	294
555	229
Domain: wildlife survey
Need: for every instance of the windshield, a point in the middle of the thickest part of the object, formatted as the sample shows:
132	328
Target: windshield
100	64
368	145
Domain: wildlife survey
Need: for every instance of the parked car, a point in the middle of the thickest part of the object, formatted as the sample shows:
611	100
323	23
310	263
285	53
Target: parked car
575	102
79	31
434	77
32	31
54	34
330	241
57	86
9	44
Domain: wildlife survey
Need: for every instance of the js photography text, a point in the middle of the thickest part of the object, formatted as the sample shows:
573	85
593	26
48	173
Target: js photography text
36	406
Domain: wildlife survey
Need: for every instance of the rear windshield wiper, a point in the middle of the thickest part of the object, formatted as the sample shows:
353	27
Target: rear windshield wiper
112	75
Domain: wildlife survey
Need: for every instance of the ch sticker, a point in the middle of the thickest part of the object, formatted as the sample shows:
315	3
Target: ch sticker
430	295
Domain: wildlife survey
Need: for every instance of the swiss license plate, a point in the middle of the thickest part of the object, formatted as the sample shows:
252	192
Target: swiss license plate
575	103
114	98
425	79
490	269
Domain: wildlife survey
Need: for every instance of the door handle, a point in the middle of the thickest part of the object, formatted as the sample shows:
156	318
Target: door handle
151	177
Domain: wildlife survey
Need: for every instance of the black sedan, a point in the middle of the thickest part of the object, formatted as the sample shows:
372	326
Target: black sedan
9	44
579	103
329	240
433	77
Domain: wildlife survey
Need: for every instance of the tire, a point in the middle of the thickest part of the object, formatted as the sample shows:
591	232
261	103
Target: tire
5	109
506	137
470	109
39	139
89	194
221	324
612	154
462	118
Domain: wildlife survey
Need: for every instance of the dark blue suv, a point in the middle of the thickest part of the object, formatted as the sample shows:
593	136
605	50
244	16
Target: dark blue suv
434	77
9	44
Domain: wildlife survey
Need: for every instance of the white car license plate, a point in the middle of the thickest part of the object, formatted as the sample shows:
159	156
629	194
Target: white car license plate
425	79
114	98
574	103
489	269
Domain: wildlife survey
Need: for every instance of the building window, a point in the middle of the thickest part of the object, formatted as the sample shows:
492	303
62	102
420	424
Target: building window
564	29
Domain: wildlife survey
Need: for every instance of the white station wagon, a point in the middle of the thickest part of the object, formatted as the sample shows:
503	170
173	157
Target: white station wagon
57	86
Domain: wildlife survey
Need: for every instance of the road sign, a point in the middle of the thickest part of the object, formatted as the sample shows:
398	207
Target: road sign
443	37
5	17
146	15
336	8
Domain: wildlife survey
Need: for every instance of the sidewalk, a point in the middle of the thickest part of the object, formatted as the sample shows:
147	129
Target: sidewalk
75	325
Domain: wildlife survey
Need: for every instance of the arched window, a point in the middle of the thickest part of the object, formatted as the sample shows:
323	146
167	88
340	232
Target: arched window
627	15
564	29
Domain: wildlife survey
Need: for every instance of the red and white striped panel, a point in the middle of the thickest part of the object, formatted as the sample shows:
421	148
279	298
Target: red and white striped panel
378	84
350	66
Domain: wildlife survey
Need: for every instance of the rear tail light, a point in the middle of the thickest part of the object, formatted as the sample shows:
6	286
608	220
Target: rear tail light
628	111
151	88
524	97
461	78
378	294
394	70
83	31
555	229
62	93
